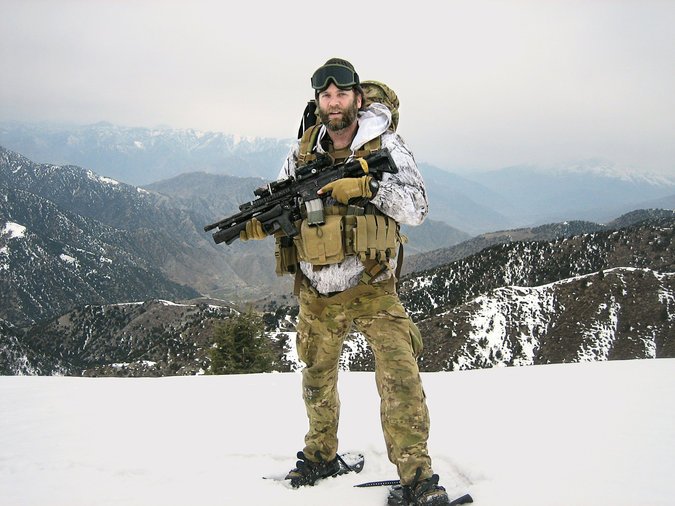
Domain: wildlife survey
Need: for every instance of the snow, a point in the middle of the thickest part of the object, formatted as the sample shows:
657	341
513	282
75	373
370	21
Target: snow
590	434
68	259
121	365
14	230
599	338
102	179
4	256
171	303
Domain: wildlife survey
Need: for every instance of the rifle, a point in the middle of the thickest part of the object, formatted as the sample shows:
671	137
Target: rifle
279	203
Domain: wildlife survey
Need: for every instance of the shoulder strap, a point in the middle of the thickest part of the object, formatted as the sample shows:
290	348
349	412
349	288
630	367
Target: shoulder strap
307	143
369	147
308	119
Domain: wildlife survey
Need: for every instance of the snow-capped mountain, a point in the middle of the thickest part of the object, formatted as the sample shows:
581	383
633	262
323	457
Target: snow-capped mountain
607	168
524	303
473	202
590	191
618	314
143	155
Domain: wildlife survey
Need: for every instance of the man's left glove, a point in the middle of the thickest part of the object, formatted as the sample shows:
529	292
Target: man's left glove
348	188
254	230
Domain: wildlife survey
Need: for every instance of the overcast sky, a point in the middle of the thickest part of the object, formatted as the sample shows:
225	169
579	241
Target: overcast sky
483	84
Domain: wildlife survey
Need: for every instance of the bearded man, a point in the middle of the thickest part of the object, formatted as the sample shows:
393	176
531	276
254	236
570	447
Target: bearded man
346	291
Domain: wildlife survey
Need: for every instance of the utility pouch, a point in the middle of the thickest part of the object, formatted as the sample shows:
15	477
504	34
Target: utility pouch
285	255
375	237
416	339
322	244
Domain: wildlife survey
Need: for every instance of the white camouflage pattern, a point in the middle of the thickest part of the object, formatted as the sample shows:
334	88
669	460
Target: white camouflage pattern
401	196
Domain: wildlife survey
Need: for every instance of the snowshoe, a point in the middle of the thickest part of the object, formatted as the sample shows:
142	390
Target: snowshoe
420	493
307	472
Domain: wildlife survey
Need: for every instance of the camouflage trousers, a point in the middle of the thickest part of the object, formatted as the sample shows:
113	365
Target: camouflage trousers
376	311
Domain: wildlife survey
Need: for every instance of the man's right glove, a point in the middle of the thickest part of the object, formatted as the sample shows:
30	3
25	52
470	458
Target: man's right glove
254	230
345	189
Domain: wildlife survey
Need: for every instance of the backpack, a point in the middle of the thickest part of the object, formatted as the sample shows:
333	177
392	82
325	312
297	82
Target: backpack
376	91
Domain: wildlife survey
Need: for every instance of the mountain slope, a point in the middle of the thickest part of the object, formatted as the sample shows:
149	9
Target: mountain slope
648	245
166	233
152	338
430	259
53	260
434	258
619	314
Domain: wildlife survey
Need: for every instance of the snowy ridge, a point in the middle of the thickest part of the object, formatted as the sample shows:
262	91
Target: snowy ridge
537	263
609	169
533	325
621	313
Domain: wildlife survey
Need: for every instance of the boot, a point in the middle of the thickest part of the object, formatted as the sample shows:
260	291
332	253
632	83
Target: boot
419	493
307	472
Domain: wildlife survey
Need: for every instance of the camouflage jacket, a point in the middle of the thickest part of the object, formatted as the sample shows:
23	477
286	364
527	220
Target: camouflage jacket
402	196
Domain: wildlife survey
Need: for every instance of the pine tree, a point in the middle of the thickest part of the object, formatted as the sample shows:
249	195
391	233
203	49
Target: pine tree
240	346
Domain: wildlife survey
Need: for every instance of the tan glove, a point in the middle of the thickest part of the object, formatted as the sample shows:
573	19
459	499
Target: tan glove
348	188
254	230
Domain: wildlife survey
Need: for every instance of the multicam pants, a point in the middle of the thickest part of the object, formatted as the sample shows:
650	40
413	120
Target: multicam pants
376	311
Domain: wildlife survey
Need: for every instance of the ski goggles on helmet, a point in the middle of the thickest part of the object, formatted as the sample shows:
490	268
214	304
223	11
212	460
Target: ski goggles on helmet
342	76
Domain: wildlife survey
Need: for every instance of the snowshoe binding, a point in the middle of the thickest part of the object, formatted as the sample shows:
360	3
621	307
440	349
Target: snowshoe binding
307	472
419	493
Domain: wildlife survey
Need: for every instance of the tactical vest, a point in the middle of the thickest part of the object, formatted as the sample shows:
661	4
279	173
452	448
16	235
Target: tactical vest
364	232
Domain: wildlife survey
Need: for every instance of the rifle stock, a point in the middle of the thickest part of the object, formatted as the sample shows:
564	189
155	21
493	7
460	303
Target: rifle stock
279	204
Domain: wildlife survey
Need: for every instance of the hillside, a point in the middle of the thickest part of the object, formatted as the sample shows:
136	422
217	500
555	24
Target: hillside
430	259
53	260
150	228
76	249
602	296
618	314
152	338
534	263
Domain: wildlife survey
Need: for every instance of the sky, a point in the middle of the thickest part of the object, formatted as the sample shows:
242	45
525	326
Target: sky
483	84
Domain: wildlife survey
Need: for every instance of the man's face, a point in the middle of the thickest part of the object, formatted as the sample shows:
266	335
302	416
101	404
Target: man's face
338	108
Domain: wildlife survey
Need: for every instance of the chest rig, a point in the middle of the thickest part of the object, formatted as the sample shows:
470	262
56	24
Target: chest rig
349	230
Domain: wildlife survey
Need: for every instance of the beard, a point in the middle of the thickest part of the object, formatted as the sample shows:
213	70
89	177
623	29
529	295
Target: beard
349	115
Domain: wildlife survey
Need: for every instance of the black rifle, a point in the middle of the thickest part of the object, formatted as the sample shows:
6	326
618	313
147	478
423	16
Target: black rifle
279	204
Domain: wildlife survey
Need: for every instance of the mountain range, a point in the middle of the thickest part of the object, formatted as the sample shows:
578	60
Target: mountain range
140	156
473	202
77	248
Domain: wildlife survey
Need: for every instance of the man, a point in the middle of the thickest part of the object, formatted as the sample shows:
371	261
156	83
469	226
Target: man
347	291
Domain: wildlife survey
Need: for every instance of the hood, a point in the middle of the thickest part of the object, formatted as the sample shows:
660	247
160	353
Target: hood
373	121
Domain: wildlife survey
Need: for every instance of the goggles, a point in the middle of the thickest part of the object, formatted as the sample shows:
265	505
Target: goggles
342	76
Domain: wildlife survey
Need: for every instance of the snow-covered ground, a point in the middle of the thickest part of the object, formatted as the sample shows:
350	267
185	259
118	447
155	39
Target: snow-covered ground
574	435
